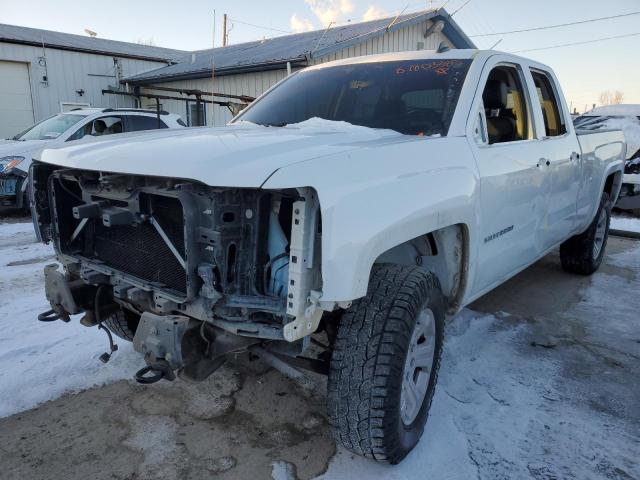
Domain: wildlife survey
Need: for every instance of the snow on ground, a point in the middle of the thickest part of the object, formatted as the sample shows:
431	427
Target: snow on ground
40	361
629	223
504	409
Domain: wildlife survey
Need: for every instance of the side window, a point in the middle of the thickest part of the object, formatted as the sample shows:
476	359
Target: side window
554	123
107	126
98	127
505	106
81	132
141	122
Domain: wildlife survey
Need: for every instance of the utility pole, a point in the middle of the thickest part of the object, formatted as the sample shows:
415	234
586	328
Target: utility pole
224	30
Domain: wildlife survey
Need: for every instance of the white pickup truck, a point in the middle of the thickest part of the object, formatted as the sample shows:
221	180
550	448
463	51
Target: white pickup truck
331	226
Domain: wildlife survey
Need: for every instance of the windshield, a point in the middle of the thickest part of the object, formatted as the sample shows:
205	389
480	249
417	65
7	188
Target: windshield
50	128
410	97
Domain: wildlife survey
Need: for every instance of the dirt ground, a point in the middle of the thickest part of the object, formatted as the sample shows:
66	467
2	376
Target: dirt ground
248	421
234	426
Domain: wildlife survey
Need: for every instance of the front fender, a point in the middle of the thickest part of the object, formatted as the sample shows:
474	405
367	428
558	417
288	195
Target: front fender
373	199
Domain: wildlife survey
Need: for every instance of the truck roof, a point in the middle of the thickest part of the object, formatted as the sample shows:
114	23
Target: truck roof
454	53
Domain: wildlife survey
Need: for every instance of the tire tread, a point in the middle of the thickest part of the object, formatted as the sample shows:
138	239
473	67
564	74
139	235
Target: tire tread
368	352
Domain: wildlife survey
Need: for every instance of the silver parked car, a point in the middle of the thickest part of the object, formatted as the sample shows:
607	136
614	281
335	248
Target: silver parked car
56	131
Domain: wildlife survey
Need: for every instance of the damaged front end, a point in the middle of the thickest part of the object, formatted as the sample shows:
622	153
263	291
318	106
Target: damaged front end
198	272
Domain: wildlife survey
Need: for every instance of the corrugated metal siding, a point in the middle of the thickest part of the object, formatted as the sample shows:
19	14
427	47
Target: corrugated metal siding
71	71
256	83
252	84
402	40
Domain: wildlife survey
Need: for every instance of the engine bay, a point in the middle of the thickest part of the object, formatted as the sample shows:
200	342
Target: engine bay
243	261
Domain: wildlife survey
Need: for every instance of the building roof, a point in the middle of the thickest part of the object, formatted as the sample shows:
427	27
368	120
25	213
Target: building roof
297	48
81	43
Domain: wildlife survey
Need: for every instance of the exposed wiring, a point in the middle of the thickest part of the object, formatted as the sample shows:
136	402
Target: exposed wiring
577	43
96	311
63	186
558	25
204	337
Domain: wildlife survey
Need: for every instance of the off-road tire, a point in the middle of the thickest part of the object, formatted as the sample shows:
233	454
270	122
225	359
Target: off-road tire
577	253
122	323
368	359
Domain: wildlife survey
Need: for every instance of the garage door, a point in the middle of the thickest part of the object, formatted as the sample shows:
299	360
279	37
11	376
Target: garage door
16	109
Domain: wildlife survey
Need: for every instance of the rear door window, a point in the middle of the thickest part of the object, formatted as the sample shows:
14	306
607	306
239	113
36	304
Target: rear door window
554	122
137	123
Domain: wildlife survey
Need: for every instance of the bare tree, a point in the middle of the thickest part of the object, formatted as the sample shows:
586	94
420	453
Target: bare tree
611	98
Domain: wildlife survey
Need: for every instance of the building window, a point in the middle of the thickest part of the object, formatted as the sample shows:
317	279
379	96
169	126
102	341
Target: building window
196	117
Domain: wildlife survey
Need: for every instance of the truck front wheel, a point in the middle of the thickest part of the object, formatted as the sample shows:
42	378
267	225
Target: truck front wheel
385	363
583	253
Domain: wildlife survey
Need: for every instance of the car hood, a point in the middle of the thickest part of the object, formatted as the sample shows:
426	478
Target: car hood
240	155
26	148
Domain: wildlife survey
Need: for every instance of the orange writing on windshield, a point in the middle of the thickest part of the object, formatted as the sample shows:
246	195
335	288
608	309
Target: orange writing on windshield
440	67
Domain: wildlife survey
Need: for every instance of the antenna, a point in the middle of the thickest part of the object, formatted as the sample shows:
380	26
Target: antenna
225	35
91	33
213	62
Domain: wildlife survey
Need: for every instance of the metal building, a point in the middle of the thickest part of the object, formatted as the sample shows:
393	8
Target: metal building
249	69
44	72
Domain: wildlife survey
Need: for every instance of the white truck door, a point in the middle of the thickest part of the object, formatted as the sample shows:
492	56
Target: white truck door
561	154
514	187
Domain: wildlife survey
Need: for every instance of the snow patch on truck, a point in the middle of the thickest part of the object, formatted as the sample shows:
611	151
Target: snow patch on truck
321	125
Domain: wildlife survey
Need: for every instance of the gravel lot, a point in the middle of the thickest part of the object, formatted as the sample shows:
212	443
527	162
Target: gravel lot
539	380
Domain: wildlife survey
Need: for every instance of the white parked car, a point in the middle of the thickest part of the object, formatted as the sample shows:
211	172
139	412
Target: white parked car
16	153
358	202
627	119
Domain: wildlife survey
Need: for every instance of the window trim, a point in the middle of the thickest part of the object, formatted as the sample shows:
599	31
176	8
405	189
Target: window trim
554	90
531	121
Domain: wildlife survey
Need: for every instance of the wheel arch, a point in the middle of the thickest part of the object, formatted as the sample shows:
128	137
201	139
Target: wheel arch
444	251
612	185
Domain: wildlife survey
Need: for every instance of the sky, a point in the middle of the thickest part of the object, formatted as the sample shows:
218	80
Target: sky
584	70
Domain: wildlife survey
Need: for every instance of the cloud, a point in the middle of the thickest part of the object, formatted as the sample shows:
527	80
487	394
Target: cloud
300	25
328	11
374	13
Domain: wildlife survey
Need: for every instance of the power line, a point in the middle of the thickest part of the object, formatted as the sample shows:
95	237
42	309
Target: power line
460	8
260	26
555	26
577	43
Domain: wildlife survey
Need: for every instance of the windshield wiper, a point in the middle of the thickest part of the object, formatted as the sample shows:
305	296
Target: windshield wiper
281	124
